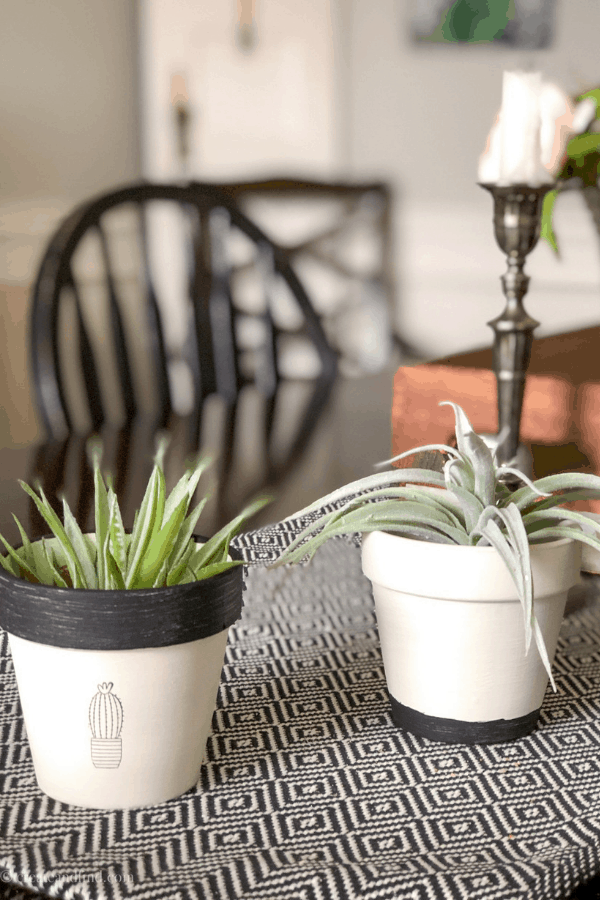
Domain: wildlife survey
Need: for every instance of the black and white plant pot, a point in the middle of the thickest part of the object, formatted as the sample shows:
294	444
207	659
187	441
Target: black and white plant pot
453	638
118	688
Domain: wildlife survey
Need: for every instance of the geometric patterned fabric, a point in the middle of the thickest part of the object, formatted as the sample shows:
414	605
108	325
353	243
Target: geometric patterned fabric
309	792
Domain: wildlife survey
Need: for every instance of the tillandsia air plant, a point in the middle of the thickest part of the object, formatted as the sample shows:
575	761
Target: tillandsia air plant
160	550
468	503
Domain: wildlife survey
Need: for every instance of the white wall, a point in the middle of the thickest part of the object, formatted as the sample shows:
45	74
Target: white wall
68	129
253	114
420	115
68	98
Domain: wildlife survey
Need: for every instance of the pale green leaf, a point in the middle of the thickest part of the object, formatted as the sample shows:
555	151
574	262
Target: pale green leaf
20	563
116	581
444	448
373	482
541	646
101	517
550	484
564	531
217	547
186	485
144	528
477	459
561	515
546	228
53	565
56	526
42	562
215	568
470	505
183	543
159	548
117	539
80	547
11	567
26	544
161	578
175	573
510	470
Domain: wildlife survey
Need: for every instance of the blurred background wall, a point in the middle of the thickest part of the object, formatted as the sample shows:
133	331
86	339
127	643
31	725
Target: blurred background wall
419	117
319	88
69	128
269	108
338	88
69	103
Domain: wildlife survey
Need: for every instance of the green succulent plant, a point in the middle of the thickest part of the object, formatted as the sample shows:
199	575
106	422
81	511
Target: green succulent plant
159	551
468	503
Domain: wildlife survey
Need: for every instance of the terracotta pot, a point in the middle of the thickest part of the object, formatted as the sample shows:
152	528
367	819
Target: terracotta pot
118	688
453	638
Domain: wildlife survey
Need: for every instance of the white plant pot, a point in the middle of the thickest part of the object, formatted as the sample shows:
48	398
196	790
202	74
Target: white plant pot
590	558
453	638
118	688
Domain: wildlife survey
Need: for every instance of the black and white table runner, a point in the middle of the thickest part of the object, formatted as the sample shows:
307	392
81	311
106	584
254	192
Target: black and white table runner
310	793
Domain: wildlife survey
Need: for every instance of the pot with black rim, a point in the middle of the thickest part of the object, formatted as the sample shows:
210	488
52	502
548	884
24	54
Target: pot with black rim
118	664
470	579
118	688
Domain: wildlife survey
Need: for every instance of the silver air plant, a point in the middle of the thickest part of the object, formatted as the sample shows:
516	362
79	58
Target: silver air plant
467	504
160	550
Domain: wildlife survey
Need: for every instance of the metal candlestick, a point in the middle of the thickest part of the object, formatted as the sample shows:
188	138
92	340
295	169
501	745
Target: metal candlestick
517	211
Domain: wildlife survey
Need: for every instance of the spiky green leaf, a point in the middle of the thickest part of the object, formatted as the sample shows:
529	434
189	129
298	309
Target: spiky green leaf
55	525
81	548
217	547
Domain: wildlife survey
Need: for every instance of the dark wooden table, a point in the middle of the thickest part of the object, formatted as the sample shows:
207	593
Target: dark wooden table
352	435
574	357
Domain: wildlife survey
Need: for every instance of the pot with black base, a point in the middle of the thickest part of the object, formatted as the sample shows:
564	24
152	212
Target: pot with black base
452	638
470	580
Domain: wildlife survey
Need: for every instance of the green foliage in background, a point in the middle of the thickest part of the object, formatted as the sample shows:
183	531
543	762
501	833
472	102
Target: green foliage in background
160	550
582	162
473	21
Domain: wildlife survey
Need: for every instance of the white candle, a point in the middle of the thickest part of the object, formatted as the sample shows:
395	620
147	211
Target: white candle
514	152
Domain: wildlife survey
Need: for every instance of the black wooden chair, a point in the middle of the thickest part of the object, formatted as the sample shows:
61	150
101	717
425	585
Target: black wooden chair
339	239
155	299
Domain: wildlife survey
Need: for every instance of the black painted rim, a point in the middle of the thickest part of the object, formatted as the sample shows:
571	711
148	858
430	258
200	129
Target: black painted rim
454	731
84	619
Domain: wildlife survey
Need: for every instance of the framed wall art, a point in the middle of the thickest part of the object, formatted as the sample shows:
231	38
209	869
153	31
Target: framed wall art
519	24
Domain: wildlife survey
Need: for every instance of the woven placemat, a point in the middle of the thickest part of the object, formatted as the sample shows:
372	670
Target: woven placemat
310	793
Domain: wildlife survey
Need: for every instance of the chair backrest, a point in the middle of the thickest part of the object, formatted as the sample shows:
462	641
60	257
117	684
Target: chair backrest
152	298
338	237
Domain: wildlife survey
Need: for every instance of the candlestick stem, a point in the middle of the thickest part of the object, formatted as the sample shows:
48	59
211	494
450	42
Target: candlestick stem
517	211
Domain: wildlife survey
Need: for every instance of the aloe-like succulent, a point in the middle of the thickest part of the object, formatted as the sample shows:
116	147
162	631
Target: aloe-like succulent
159	551
467	504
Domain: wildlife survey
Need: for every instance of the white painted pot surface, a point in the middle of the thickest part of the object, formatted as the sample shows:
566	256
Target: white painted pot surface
451	625
590	558
118	688
118	728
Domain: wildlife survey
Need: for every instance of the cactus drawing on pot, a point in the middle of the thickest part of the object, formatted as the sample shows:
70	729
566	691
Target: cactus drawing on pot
106	721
